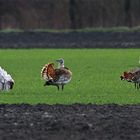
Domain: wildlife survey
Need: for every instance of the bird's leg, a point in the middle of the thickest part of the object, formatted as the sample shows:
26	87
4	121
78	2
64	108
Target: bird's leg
62	87
57	87
3	86
139	85
135	85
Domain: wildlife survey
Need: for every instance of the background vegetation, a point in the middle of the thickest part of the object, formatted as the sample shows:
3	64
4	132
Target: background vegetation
68	14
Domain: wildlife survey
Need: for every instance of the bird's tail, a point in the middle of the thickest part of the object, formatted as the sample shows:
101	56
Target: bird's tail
43	71
48	71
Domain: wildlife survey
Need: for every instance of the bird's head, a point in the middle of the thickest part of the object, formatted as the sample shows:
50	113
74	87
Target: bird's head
61	62
9	85
9	82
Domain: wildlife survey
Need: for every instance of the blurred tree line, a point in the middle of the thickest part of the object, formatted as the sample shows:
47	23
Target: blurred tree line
62	14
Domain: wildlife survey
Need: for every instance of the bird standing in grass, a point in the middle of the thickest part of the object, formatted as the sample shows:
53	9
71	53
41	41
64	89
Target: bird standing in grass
6	81
132	76
56	76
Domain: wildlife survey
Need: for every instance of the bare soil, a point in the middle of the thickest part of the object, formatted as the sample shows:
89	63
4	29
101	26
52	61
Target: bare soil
70	40
69	122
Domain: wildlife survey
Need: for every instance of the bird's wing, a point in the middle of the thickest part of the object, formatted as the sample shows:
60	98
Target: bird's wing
133	74
134	70
136	77
48	72
63	75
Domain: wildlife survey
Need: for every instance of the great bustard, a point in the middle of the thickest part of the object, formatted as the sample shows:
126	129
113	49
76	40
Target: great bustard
56	76
132	76
6	81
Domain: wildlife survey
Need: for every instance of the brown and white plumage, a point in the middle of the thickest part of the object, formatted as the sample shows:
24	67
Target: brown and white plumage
56	76
132	76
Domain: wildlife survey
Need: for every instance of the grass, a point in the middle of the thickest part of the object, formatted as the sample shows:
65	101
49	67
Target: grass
95	76
97	29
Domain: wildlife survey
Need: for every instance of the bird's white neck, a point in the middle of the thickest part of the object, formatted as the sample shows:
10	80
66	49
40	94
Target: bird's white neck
61	65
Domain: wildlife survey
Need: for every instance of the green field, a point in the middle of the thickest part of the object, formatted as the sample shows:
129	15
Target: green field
95	79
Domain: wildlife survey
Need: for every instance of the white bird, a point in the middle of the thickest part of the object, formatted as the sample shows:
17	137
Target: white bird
6	81
56	76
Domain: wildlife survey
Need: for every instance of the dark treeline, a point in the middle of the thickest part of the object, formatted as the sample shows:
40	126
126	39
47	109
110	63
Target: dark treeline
62	14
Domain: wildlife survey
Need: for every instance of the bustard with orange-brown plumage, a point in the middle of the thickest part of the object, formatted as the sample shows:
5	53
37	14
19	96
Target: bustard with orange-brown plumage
132	76
56	76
